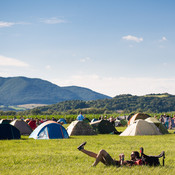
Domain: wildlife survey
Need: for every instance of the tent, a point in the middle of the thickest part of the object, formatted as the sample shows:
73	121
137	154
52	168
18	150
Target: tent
5	121
141	127
49	130
122	117
104	127
86	120
22	126
129	116
94	120
62	120
124	122
27	120
138	116
32	124
117	123
80	128
121	122
161	127
8	131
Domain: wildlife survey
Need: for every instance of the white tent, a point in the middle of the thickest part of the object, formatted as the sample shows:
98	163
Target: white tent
141	127
22	126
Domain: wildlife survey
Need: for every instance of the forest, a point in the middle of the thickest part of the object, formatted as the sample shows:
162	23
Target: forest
152	103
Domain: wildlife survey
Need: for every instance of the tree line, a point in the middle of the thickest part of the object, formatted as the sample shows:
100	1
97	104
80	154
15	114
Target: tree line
153	103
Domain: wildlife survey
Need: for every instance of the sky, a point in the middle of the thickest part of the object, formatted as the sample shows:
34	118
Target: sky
110	46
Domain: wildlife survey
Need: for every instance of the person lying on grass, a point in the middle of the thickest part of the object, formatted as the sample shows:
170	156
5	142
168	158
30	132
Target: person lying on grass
106	159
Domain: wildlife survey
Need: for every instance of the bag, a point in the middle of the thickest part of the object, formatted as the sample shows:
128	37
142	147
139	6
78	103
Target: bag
151	160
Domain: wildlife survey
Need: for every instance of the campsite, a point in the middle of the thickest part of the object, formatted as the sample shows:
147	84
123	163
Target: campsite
85	82
60	156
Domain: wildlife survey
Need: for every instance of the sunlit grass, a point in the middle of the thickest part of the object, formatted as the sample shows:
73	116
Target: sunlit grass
60	156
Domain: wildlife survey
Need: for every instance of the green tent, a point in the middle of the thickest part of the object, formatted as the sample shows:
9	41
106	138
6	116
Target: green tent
124	122
104	127
161	127
5	121
8	131
86	120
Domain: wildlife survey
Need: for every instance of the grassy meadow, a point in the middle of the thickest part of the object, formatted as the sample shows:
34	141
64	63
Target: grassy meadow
60	156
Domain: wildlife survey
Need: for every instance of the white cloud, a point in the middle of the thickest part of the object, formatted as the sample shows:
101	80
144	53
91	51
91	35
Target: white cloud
53	21
6	24
85	59
132	38
7	61
163	39
113	86
9	24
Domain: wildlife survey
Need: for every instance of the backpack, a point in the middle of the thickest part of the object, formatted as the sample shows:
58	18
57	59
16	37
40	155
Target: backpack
151	160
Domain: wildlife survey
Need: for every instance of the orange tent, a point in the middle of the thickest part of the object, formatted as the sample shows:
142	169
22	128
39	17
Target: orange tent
138	116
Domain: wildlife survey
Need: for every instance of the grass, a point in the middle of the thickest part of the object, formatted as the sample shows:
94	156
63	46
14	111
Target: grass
60	156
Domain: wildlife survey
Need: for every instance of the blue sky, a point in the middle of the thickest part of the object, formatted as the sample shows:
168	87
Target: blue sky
110	46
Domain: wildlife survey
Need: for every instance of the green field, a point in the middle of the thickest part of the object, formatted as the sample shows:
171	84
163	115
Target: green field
60	156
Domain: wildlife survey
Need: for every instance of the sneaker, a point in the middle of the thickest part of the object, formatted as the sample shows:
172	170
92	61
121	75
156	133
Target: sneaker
81	146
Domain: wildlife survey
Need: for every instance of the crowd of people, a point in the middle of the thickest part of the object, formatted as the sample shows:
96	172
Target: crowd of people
111	119
167	121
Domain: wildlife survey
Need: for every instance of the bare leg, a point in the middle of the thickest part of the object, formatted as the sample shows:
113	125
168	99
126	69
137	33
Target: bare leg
89	153
92	154
100	157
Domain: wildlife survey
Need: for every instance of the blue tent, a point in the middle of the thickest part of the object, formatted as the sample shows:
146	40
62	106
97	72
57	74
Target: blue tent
62	120
49	130
94	120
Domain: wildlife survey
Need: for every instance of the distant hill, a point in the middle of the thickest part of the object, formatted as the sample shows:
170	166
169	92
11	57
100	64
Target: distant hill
156	103
23	90
17	92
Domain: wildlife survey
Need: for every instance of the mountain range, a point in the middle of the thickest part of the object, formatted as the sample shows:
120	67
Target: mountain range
23	90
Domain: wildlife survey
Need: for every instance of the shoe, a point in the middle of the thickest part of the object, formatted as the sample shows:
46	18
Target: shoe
81	146
161	155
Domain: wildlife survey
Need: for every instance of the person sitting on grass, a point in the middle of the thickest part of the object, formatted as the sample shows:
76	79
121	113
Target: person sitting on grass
106	159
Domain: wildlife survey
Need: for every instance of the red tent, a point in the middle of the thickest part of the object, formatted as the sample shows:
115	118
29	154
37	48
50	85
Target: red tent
32	124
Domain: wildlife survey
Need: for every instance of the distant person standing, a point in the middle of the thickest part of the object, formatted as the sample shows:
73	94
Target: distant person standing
80	117
161	119
170	123
167	121
173	121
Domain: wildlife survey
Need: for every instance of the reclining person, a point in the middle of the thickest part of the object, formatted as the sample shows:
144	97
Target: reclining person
106	159
135	159
152	160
